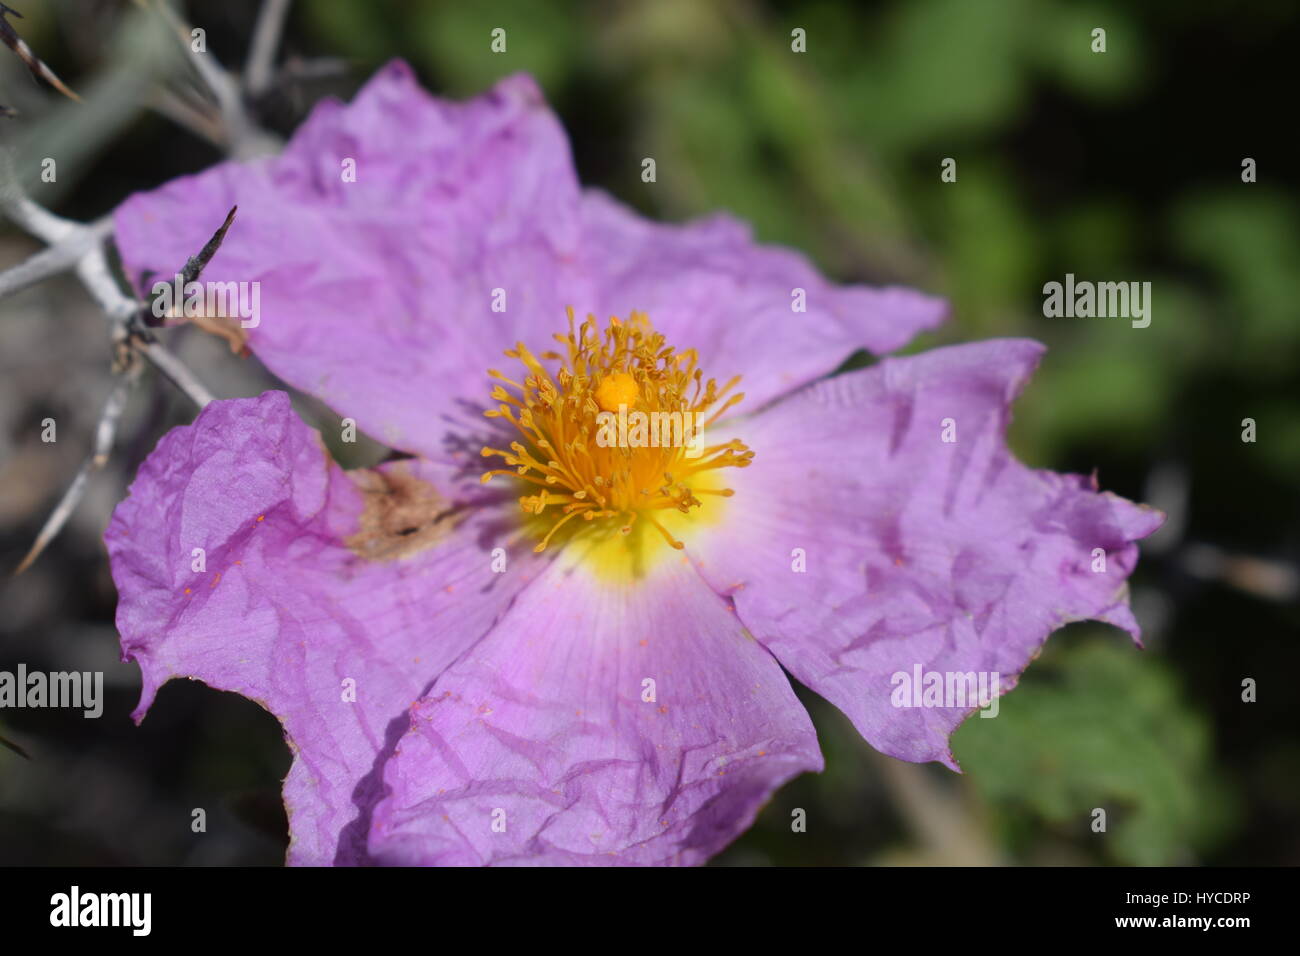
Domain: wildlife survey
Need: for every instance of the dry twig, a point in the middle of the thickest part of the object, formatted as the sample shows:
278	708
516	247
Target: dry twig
258	70
79	247
34	63
82	247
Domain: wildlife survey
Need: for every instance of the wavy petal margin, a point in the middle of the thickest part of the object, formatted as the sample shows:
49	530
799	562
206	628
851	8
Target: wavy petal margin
872	546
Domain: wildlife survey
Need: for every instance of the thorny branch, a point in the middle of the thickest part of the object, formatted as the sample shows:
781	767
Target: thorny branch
241	136
80	247
105	432
55	259
194	265
266	39
130	336
16	43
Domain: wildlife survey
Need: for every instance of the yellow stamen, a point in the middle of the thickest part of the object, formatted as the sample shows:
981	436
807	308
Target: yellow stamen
566	423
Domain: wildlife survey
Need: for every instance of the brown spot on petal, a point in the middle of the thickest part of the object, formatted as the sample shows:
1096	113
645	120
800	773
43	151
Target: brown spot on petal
403	515
228	328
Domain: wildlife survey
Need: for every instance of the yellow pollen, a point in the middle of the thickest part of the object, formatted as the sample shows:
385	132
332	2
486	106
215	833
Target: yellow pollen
616	434
615	390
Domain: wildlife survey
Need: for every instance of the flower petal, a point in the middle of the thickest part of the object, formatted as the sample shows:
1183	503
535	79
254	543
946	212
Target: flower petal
540	747
376	294
707	285
950	556
381	238
291	607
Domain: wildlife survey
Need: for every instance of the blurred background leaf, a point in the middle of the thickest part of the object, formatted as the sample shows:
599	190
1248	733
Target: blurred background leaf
1094	725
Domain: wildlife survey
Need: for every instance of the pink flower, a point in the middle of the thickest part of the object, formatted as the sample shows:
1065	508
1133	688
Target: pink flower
451	694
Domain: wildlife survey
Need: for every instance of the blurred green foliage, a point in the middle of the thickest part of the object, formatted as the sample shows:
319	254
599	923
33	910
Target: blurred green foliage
1096	725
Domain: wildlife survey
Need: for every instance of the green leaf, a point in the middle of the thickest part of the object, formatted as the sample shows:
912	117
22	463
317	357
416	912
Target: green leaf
1248	237
1100	724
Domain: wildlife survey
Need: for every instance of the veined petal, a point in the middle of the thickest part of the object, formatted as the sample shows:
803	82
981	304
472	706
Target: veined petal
595	725
377	240
950	557
707	285
300	603
401	243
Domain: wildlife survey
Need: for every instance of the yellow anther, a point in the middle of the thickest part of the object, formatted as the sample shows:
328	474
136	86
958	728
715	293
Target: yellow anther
625	370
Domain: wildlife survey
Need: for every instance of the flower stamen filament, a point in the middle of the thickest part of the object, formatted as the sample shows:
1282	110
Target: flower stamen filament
576	444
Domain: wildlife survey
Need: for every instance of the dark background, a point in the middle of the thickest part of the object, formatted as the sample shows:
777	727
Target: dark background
1121	166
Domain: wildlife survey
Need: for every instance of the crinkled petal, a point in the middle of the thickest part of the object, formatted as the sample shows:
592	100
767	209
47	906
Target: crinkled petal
548	745
377	239
401	243
285	611
948	556
707	285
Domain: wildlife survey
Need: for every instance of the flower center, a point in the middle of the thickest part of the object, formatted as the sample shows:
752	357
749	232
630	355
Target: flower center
617	434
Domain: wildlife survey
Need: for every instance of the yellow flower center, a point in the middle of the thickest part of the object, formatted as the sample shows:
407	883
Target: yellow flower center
617	434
